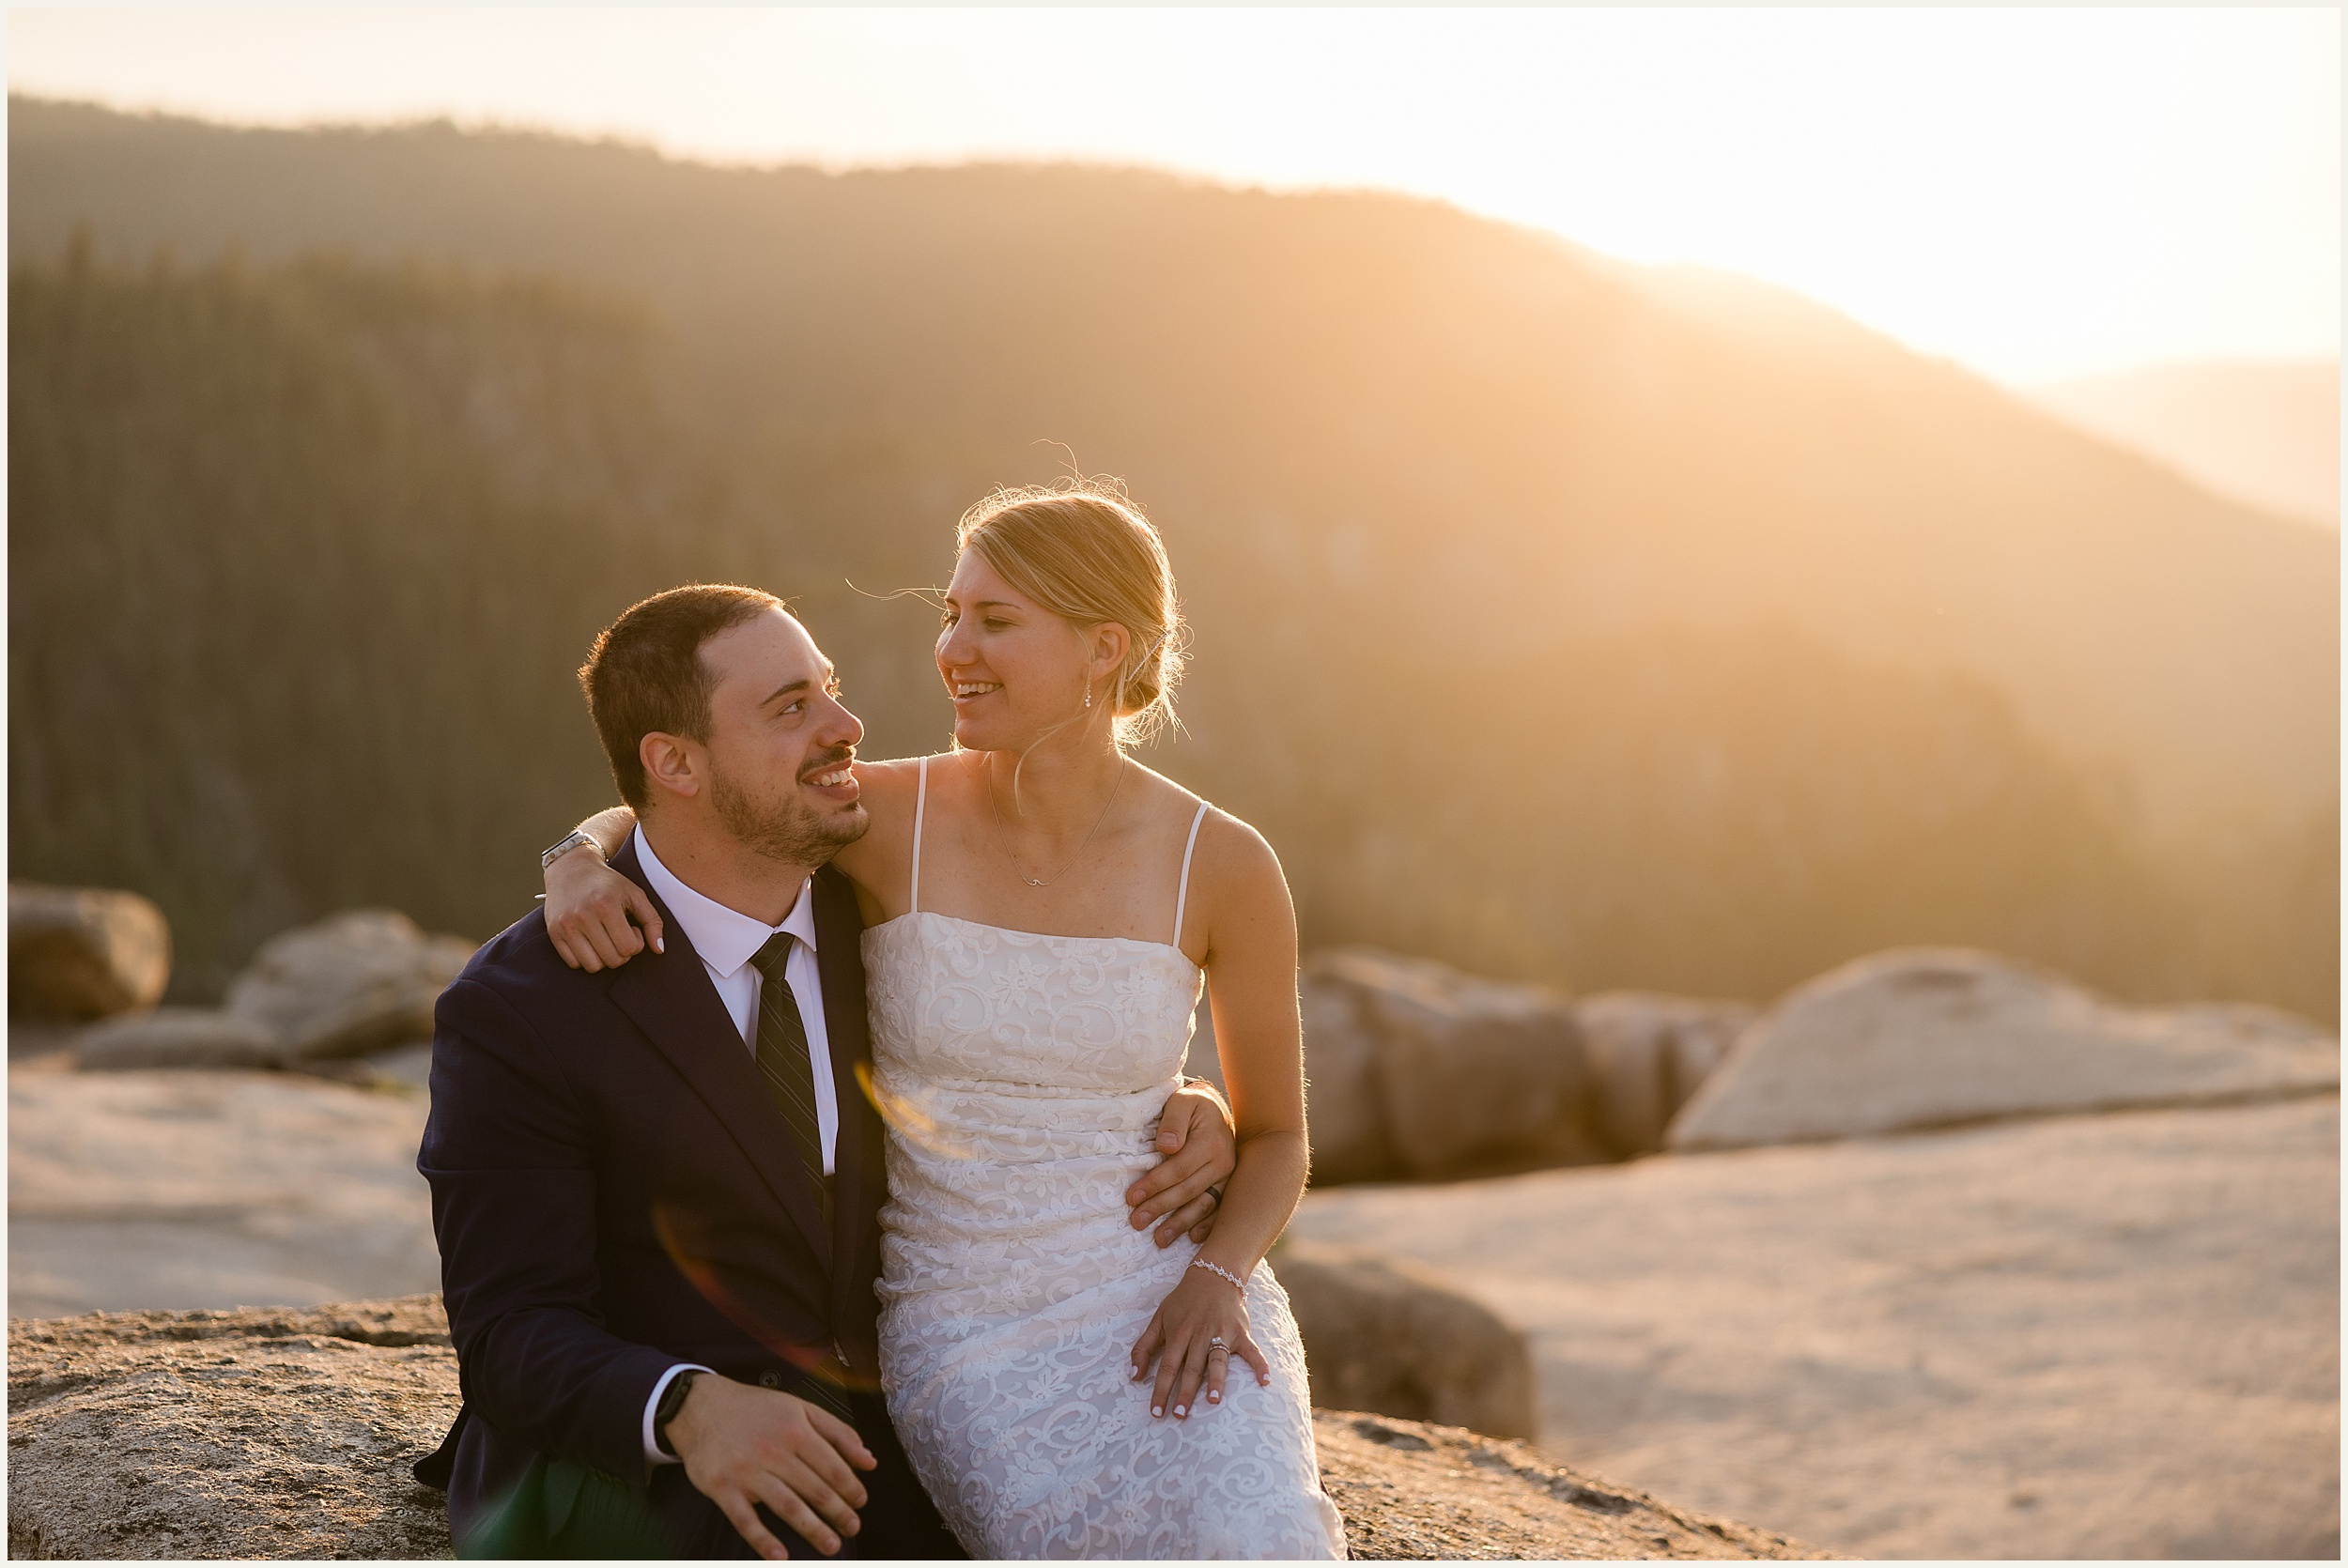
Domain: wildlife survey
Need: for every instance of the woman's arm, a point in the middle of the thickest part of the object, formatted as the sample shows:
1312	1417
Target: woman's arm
1251	981
597	917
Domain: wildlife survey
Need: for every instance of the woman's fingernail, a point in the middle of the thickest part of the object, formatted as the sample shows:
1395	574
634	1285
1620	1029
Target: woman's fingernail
1155	1411
1215	1399
1181	1410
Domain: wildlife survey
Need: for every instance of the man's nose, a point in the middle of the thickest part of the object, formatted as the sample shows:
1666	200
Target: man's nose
845	728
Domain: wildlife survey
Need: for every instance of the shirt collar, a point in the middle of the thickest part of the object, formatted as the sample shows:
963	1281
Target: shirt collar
725	938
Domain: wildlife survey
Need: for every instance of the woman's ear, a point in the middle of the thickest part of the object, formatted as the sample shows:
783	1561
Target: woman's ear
670	763
1110	643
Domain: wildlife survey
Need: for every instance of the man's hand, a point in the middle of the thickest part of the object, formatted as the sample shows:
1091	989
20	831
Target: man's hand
743	1446
1194	1135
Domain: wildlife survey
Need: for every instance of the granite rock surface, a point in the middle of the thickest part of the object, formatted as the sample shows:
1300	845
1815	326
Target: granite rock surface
286	1433
203	1189
2100	1336
250	1434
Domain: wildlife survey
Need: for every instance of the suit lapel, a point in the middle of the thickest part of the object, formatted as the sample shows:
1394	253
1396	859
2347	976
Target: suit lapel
669	998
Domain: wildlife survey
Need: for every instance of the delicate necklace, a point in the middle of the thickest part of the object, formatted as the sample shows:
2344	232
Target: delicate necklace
1046	882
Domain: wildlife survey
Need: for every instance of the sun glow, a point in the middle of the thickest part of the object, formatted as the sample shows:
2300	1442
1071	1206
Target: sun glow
2035	193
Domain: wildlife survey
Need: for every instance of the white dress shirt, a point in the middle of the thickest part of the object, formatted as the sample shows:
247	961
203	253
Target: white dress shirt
725	940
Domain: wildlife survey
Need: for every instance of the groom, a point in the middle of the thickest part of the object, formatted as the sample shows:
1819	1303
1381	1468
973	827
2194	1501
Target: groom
656	1187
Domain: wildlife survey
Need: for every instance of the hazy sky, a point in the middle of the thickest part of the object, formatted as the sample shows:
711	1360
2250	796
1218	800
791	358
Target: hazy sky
2034	192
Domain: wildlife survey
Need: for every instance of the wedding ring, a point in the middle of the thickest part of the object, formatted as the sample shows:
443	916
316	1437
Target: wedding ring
1217	1343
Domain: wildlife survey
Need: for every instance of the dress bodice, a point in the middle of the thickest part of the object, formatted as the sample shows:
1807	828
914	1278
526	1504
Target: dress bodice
1020	1075
956	1002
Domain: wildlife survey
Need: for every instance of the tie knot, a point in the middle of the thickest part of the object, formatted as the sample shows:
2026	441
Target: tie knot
771	957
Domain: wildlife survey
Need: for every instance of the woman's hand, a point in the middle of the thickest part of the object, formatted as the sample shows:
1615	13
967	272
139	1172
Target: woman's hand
1185	1187
593	913
1181	1341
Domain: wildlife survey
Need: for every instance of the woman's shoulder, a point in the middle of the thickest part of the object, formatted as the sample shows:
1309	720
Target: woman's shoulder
896	776
1225	842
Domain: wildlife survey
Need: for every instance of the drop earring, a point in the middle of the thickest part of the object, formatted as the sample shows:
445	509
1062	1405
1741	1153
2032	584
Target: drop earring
1088	693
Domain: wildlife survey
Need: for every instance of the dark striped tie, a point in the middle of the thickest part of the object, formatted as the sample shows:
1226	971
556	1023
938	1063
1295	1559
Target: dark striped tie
782	1061
790	1075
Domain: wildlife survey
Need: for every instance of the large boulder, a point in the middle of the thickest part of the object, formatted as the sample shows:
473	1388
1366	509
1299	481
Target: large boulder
1467	1075
1646	1055
354	983
1344	1110
279	1434
1922	1037
176	1038
85	952
1396	1337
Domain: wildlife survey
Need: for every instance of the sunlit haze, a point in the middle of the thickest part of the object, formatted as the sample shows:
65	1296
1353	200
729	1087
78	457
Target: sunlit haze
2036	195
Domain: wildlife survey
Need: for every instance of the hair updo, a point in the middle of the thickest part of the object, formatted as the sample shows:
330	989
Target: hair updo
1084	550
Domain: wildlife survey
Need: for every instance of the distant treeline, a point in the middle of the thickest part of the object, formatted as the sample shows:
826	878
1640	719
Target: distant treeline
1565	619
302	557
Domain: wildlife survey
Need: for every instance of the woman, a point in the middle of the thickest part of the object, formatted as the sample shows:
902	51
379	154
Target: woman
1041	910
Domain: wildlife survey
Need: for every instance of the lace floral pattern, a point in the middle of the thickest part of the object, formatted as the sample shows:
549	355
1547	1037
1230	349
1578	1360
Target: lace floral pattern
1021	1076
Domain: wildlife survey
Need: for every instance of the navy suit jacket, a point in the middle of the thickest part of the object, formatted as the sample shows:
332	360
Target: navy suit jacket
615	1192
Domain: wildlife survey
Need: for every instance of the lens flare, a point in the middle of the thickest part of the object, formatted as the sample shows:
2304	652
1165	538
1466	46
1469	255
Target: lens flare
908	1114
675	1225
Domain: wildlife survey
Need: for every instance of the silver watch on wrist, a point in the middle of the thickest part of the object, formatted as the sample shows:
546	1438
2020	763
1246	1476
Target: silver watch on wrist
566	845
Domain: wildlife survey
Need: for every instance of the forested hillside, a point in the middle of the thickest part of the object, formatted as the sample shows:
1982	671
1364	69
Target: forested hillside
1558	619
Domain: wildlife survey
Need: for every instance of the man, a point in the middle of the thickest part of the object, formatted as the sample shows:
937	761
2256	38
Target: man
656	1188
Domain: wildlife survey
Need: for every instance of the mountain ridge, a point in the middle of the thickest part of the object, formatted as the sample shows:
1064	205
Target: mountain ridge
2262	432
1463	466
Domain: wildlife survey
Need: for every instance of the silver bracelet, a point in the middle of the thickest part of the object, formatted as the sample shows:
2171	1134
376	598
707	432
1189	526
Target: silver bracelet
1218	1268
562	847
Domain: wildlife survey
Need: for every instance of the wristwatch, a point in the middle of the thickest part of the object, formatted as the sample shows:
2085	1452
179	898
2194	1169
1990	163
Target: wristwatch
566	845
671	1401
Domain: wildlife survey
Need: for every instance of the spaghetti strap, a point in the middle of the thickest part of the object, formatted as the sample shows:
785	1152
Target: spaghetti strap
920	804
1183	898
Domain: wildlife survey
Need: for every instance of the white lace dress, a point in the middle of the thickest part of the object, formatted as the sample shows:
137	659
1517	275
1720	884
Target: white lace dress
1022	1077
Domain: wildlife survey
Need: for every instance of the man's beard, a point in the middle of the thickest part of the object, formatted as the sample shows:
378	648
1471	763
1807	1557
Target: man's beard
789	830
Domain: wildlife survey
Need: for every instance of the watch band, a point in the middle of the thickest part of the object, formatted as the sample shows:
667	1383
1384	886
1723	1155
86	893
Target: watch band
671	1401
565	846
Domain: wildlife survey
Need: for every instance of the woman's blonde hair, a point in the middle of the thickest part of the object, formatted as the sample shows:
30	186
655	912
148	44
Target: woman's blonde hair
1084	550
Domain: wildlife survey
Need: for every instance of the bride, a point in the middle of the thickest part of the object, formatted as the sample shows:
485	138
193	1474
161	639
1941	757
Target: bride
1041	910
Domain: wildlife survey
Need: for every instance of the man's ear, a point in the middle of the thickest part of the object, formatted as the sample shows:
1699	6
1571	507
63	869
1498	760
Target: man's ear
672	763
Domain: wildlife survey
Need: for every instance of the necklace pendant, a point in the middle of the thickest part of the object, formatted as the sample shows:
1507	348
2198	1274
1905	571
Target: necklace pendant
1031	881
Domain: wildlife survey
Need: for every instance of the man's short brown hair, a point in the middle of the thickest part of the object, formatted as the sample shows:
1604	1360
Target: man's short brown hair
645	674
